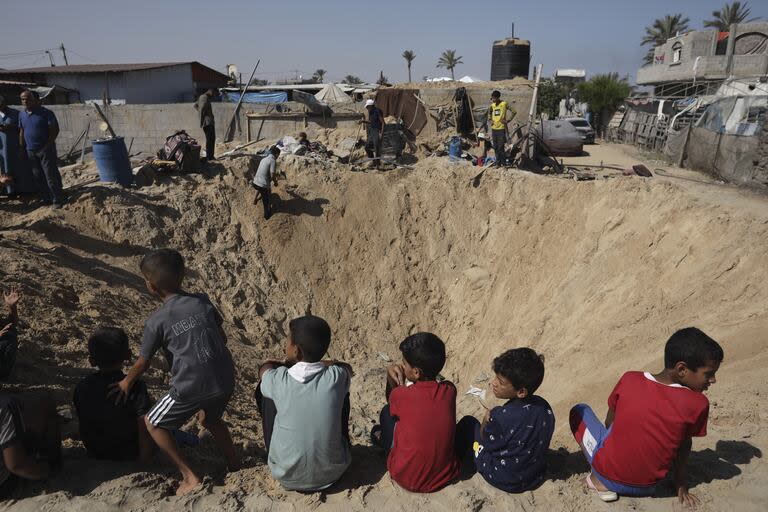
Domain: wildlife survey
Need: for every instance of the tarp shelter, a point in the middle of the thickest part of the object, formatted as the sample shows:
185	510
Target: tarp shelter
402	104
331	94
255	97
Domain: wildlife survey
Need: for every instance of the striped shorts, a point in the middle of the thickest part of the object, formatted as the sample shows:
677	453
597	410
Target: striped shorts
171	413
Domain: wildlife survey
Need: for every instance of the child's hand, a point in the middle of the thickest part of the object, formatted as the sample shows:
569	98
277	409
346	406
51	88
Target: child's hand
686	498
120	390
396	374
12	297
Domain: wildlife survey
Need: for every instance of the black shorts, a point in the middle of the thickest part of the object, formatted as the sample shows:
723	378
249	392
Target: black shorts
171	414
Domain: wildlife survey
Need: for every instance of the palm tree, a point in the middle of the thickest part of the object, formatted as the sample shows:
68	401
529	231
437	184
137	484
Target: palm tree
604	94
409	55
449	60
661	30
319	75
728	15
352	79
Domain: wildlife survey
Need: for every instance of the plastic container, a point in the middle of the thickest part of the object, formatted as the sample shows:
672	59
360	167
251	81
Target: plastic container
454	149
111	157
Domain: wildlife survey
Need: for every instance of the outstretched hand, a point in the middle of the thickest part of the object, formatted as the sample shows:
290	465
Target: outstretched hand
120	390
5	329
12	297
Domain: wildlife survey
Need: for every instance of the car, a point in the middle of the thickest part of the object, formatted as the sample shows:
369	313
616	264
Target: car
584	128
559	137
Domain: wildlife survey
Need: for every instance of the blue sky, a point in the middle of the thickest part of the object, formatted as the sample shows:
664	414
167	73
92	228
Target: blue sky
342	37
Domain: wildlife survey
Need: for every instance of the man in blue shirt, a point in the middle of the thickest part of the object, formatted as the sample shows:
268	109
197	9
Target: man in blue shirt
39	129
375	124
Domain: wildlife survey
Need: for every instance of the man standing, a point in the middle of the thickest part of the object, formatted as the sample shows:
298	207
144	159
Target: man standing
497	117
264	174
38	131
375	124
9	146
207	123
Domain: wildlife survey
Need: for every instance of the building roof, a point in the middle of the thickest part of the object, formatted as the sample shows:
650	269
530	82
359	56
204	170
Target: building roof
571	73
98	68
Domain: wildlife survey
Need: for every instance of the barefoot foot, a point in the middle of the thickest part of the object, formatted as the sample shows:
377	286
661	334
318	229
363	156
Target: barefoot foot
187	485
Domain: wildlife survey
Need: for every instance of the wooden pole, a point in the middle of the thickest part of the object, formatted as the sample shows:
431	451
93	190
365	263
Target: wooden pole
104	118
532	111
230	127
82	151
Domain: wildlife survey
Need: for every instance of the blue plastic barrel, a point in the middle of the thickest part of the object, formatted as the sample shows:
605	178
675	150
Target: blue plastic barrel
454	148
112	160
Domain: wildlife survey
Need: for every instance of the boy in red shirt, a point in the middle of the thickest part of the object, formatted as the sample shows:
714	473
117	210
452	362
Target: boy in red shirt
651	420
418	427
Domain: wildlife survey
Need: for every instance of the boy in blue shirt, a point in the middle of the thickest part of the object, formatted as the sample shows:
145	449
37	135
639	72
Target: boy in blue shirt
511	444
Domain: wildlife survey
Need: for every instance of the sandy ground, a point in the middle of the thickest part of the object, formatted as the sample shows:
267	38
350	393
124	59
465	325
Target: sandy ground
595	275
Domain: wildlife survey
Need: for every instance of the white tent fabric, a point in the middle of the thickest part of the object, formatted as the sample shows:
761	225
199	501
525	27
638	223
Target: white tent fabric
469	79
332	93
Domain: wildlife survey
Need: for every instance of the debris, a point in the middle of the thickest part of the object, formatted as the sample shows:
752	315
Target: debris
384	357
144	175
475	391
482	377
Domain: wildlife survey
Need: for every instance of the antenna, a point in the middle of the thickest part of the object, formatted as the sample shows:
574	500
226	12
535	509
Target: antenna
513	30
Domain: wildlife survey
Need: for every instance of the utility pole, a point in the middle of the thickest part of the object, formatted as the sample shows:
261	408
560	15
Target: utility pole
64	53
50	56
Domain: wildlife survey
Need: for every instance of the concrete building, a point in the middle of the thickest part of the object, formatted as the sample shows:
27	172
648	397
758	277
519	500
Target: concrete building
149	83
570	76
697	62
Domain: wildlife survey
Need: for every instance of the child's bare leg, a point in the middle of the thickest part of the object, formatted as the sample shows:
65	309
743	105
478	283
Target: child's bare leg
146	444
223	440
167	444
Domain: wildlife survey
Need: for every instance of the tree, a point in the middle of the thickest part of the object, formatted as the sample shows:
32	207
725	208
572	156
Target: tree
661	30
319	76
604	94
409	55
728	15
352	79
550	94
382	79
449	60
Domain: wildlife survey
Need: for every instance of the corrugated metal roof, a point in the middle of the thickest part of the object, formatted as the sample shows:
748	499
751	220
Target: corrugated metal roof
96	68
13	82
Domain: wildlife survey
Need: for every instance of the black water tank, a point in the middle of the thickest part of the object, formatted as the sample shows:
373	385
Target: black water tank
510	58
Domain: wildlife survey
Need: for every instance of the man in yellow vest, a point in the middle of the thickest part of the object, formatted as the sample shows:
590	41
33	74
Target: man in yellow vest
497	118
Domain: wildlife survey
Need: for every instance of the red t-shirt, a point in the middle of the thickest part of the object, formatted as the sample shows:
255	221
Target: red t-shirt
651	421
423	457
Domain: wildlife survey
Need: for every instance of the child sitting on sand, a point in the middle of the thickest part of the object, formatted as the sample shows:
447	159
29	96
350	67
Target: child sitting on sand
418	426
188	329
651	420
30	439
510	447
109	430
304	406
9	338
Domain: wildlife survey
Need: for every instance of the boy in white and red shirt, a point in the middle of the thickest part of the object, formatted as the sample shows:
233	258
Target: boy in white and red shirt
651	420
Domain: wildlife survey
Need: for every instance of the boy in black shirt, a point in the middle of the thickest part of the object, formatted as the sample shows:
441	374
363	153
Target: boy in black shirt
188	329
109	430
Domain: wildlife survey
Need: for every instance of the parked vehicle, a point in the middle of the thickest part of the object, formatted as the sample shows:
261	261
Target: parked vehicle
584	128
560	137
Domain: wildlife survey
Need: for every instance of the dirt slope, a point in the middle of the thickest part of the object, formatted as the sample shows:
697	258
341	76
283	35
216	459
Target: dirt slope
595	275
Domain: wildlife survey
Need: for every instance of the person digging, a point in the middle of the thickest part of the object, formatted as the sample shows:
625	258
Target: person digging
264	174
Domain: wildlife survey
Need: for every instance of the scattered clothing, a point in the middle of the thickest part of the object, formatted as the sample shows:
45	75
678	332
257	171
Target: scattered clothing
109	430
423	458
651	421
187	327
306	420
511	451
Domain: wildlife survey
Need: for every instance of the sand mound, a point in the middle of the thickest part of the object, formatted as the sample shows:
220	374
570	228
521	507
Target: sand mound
595	275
